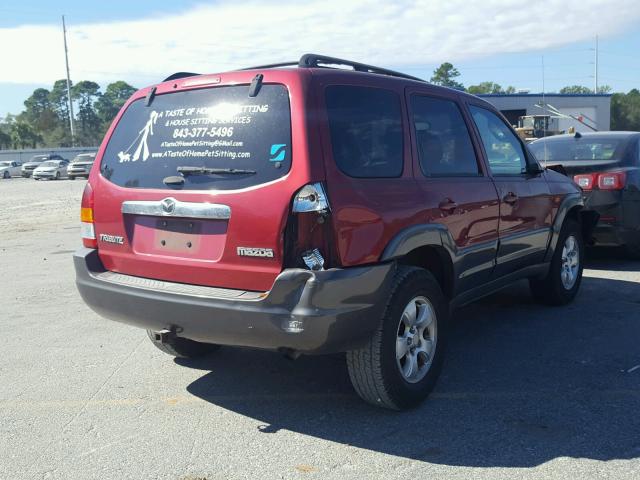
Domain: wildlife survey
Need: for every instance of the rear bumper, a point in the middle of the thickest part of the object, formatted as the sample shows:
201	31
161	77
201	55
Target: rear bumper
615	235
619	222
44	175
309	312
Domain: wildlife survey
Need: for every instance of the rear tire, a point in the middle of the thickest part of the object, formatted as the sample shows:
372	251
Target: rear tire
71	177
562	282
183	347
399	365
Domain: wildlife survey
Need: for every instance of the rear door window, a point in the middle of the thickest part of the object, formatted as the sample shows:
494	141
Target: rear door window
218	128
443	140
366	130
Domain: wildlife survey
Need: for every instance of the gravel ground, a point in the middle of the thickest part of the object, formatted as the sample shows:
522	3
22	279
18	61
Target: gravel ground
527	392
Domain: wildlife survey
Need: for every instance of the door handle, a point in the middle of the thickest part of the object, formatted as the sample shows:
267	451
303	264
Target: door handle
510	198
447	205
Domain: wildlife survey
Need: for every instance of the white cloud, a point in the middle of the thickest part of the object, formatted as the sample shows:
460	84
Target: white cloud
230	35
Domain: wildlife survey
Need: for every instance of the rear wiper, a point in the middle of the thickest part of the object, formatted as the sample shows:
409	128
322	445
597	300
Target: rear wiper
213	171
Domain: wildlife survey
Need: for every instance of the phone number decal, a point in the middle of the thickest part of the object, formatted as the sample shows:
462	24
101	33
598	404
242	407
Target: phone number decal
203	132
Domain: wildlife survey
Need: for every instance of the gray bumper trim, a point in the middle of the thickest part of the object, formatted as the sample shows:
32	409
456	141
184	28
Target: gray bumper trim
310	312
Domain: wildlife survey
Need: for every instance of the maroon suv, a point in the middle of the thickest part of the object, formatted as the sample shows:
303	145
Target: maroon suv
310	209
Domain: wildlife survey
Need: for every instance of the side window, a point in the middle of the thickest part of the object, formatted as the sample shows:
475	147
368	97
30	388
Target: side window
443	141
366	130
504	151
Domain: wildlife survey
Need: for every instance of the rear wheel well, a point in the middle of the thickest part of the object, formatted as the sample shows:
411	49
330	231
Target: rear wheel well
435	259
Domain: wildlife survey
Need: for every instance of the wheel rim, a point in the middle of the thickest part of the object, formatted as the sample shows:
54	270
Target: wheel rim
416	339
570	262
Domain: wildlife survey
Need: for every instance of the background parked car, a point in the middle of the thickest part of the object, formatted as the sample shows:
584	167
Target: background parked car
80	166
607	167
10	169
51	169
30	166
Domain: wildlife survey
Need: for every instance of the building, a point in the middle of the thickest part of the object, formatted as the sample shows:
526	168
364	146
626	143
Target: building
593	109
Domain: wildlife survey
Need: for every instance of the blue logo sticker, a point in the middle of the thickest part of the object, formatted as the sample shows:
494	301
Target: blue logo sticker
278	152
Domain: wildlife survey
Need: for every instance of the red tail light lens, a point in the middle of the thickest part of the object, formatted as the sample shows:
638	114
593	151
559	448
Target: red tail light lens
612	180
87	229
585	182
602	181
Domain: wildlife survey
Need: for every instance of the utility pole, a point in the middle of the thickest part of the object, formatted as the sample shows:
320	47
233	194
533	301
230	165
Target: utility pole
595	76
66	59
544	110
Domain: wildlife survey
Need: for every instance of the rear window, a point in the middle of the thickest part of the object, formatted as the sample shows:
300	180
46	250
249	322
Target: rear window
366	130
443	141
576	149
216	128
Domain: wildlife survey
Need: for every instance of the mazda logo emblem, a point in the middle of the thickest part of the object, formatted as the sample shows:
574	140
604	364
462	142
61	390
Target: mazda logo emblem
168	205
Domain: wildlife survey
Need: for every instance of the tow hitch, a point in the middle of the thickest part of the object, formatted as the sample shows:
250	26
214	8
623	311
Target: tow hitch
164	336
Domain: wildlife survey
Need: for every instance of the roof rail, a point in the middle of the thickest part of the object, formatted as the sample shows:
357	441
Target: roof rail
178	75
272	65
312	60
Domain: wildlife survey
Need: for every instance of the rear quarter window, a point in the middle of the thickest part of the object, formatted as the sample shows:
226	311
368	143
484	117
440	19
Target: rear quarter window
366	130
219	128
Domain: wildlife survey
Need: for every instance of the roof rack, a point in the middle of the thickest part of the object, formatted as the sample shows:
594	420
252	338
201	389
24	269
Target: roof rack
312	60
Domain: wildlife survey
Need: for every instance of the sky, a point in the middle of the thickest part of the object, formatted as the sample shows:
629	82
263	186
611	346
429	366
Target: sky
141	42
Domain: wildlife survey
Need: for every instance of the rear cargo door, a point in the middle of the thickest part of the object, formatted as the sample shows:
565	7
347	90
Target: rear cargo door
191	187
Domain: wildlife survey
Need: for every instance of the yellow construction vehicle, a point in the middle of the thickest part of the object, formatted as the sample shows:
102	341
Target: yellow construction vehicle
532	127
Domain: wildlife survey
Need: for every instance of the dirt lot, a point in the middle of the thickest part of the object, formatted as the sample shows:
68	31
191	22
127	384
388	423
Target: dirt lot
527	392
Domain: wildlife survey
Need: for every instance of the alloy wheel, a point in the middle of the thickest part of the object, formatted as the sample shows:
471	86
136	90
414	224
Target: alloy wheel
570	262
416	339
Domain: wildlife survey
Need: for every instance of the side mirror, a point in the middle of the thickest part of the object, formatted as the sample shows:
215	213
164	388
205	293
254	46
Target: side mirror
534	168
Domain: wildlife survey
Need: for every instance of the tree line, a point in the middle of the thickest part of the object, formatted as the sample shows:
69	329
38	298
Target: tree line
45	120
625	107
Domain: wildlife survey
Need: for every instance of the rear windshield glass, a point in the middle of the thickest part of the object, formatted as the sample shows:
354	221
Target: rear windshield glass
245	140
576	149
39	158
84	158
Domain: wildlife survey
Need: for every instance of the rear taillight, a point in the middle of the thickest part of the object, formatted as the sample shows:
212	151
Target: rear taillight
308	234
86	218
602	181
585	182
612	180
310	198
